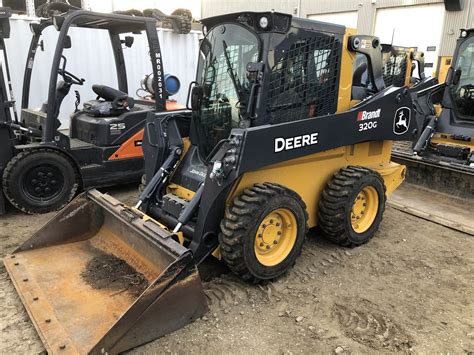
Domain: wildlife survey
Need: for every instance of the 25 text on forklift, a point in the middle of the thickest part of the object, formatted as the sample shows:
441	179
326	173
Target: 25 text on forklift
283	144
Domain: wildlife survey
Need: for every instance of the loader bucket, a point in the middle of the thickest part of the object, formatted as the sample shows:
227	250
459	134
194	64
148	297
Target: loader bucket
100	279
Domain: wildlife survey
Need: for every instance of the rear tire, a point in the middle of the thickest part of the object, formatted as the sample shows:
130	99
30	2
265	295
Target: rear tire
352	205
263	232
40	181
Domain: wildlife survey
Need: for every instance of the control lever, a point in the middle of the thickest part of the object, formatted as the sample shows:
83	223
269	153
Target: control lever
425	136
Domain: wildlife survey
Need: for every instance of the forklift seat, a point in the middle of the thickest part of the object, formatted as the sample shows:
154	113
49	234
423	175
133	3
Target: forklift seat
117	97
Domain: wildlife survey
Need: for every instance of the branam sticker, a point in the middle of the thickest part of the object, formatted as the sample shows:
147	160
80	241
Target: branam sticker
401	121
370	119
290	143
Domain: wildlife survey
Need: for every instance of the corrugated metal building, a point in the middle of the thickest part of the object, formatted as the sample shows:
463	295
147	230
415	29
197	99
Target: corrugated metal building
421	23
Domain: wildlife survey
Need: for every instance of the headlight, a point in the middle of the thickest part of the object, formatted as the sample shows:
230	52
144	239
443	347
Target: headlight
263	22
463	33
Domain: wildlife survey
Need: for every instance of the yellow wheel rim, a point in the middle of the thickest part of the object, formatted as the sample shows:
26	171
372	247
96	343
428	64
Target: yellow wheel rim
364	209
276	237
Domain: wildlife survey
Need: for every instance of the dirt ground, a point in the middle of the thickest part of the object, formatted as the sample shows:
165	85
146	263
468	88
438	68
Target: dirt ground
410	290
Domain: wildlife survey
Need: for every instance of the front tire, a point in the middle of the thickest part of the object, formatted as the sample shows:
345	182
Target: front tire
263	232
40	181
352	205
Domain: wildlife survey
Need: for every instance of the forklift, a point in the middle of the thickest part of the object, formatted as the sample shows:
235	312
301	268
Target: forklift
41	166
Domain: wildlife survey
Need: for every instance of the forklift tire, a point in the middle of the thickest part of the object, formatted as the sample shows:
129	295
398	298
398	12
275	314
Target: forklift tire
40	181
263	231
352	205
183	12
182	20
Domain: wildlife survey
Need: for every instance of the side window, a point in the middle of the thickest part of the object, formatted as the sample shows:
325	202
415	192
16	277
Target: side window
463	91
303	82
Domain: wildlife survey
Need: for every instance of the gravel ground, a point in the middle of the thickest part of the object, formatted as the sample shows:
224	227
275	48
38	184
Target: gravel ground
410	290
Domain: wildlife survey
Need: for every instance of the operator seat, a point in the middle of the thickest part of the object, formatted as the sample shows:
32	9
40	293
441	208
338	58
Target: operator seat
110	94
108	120
359	89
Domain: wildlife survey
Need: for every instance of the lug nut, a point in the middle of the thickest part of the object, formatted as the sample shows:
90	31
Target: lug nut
261	244
271	221
279	233
268	246
277	224
275	242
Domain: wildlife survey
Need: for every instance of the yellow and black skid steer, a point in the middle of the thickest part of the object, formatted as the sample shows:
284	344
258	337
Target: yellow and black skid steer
280	136
442	157
405	66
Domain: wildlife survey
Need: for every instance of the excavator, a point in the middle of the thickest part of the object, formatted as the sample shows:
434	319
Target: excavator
279	136
442	157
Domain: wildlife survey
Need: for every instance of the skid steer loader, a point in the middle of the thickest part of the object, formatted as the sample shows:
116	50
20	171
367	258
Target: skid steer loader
442	157
274	142
405	66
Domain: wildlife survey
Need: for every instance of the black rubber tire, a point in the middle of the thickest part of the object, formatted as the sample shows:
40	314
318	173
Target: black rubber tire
16	186
239	227
337	199
183	21
183	12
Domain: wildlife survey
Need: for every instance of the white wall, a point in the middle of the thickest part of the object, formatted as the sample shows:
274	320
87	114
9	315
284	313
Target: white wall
346	18
91	58
412	26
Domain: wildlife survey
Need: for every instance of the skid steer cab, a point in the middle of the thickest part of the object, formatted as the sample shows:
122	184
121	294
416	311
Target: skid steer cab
405	66
442	156
280	136
42	166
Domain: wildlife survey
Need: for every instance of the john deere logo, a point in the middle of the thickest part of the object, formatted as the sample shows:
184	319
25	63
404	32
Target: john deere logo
401	121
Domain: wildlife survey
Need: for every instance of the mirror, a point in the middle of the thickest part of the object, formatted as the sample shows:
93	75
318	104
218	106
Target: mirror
197	94
457	76
128	41
67	42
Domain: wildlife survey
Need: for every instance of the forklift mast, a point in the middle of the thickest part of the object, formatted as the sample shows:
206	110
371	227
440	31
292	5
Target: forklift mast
7	102
115	25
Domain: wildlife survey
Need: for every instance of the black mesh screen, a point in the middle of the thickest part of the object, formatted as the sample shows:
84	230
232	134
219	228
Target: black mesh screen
394	69
304	81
